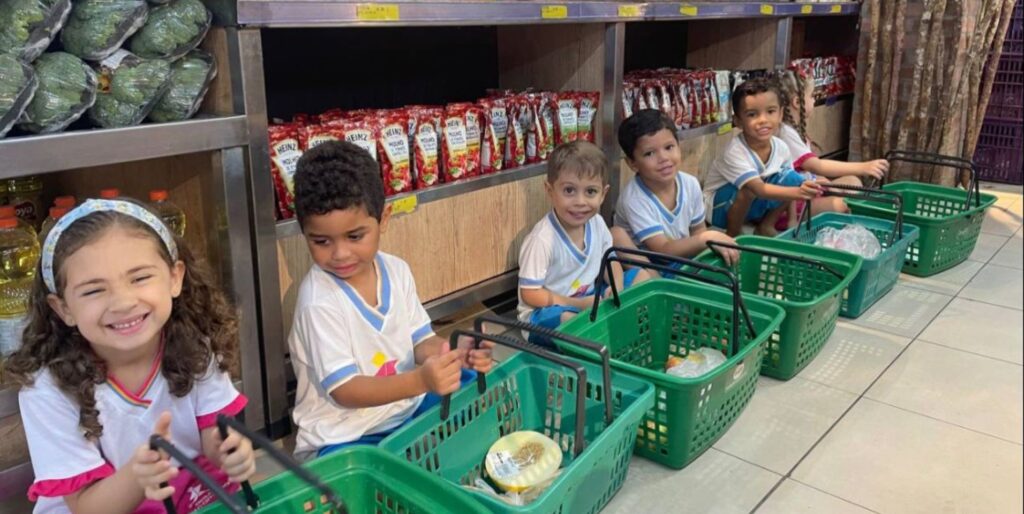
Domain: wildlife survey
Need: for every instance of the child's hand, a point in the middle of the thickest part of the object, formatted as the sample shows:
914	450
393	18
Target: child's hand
729	255
478	360
237	458
875	169
440	373
809	190
151	468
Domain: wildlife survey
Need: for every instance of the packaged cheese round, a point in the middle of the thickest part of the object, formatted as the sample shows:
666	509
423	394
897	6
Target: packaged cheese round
522	460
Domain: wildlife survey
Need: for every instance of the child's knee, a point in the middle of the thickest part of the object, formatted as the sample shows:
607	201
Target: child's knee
567	315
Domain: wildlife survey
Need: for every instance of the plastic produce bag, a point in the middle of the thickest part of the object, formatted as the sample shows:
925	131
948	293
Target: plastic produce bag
129	89
28	26
696	363
172	30
190	80
852	238
97	28
18	84
67	88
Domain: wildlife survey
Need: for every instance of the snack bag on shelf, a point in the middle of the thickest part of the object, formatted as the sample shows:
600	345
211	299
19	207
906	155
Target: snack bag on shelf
285	151
724	95
394	153
589	102
454	149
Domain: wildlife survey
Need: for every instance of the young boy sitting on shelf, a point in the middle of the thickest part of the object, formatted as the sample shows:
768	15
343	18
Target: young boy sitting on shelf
561	256
365	355
754	180
662	208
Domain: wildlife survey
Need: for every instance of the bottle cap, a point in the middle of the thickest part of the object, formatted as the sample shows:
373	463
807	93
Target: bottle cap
8	222
57	212
7	211
110	194
158	195
64	201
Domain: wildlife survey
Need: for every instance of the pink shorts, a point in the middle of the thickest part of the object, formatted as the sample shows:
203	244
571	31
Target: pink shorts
190	494
783	223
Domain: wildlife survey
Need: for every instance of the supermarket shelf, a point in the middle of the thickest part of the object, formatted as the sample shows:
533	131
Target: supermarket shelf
447	305
833	99
291	227
722	127
79	149
333	13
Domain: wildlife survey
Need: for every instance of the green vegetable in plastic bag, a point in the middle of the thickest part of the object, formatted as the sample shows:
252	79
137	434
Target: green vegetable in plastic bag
28	26
17	85
172	30
67	88
190	79
129	89
97	28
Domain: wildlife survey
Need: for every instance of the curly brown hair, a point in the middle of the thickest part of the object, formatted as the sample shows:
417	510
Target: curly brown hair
203	326
792	85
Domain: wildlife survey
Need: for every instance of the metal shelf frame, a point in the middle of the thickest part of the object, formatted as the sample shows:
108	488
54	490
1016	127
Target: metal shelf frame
332	13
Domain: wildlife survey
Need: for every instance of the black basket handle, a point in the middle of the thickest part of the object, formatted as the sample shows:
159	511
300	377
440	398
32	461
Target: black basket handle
780	255
948	161
738	306
251	499
860	193
282	458
600	349
159	443
581	377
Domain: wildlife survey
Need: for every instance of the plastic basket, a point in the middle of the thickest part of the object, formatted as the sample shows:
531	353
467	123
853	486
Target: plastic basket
949	218
357	480
562	398
998	156
656	319
1014	42
878	274
807	281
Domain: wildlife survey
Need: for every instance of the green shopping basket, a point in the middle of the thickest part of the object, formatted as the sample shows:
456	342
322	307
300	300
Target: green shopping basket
879	274
370	480
646	324
807	281
593	421
949	218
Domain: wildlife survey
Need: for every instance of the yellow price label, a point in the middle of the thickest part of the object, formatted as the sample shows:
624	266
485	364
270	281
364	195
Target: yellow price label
554	12
806	9
724	128
836	9
404	205
377	12
688	10
630	11
767	9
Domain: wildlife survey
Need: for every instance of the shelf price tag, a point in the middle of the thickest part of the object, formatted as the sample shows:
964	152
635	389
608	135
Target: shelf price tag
688	10
836	9
806	9
630	11
554	12
404	205
725	128
377	12
767	9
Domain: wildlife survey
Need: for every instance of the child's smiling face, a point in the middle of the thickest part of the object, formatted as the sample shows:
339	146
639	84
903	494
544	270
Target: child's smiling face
760	117
344	242
657	157
576	197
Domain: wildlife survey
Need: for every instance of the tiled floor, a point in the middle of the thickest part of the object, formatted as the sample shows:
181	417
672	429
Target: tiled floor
914	407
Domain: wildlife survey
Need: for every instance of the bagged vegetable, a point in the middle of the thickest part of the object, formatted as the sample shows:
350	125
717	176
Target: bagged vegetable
67	88
97	28
18	83
190	80
28	26
172	30
129	89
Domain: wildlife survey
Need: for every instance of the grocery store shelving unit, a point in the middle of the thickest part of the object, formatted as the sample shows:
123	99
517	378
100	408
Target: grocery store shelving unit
461	239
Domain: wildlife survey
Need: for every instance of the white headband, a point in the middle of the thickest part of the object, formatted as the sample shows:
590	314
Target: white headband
92	206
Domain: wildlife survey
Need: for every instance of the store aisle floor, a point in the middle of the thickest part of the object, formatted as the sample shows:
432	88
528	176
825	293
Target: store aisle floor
914	407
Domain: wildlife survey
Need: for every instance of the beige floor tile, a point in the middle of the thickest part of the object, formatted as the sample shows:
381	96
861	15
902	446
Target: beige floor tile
998	285
783	421
1000	221
957	387
1012	253
1017	208
853	358
948	282
891	460
979	328
792	497
715	482
987	246
905	311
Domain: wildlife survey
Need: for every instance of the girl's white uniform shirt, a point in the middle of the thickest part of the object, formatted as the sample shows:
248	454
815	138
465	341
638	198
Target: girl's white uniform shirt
64	461
798	148
642	214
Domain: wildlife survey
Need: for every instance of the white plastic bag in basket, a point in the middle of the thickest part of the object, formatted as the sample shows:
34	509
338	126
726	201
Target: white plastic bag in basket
852	238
